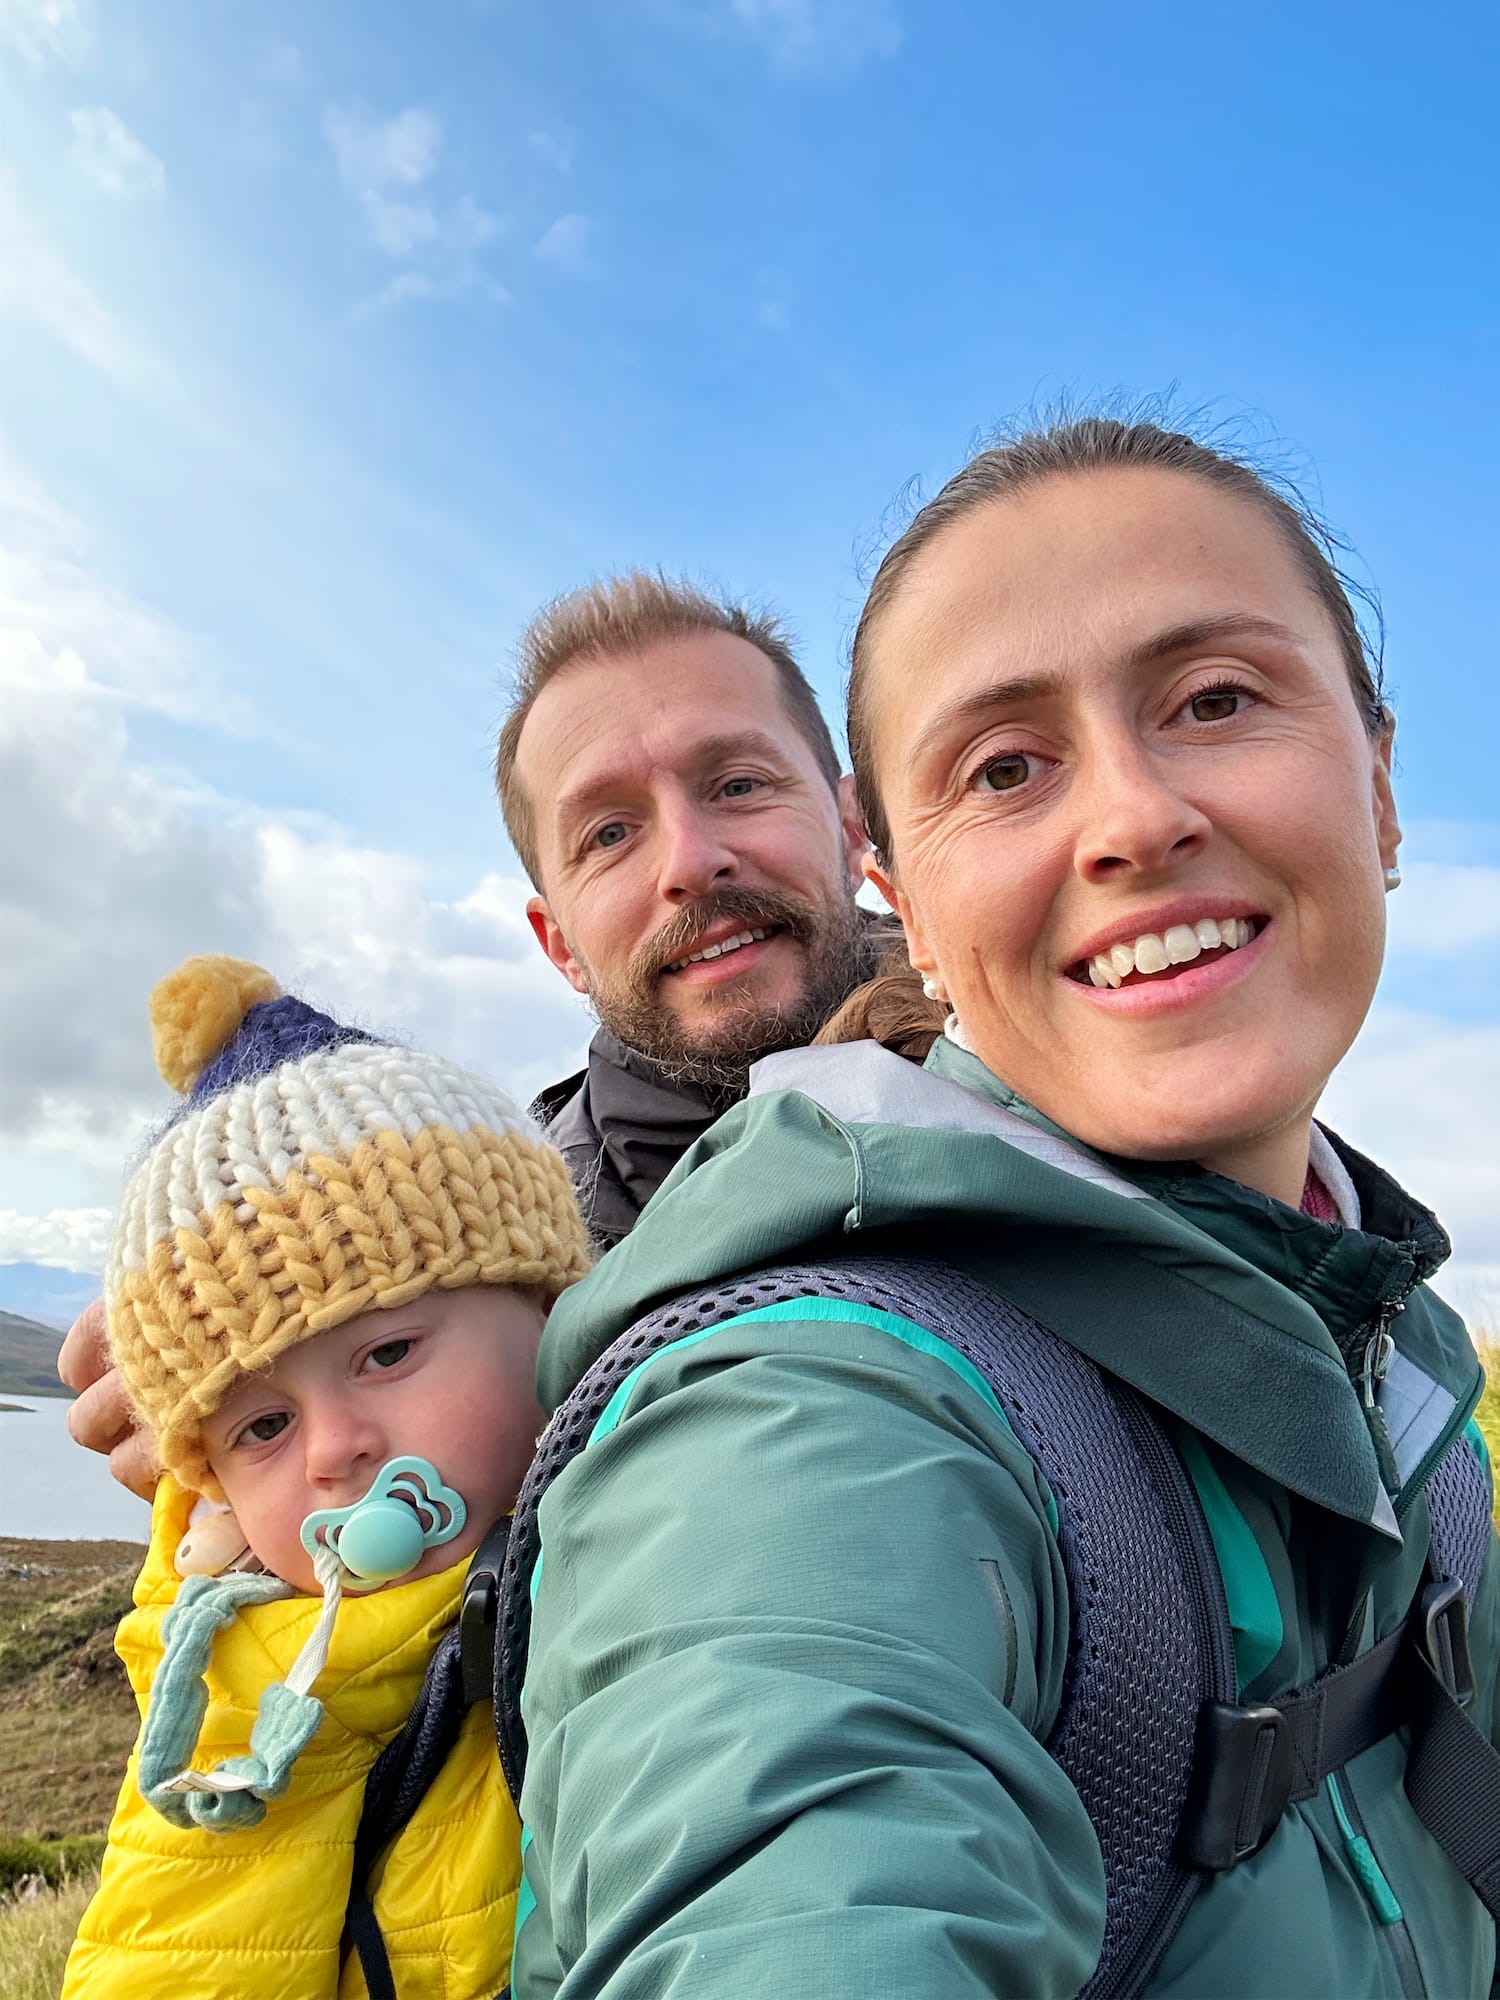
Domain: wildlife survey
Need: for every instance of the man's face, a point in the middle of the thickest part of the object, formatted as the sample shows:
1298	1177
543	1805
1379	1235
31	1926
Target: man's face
698	870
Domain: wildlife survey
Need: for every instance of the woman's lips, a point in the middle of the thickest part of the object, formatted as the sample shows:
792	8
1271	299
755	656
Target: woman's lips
1212	970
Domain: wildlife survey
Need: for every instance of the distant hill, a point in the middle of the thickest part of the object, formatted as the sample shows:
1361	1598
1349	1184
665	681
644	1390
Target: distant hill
28	1358
43	1293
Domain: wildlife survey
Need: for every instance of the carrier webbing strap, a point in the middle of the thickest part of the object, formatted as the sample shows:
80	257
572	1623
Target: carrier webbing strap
1453	1783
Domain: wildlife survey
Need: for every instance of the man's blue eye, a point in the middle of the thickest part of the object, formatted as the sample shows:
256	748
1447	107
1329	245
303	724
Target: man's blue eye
611	835
737	788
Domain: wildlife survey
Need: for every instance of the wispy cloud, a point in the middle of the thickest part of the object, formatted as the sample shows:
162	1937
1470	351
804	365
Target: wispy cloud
553	149
106	149
48	31
568	245
810	38
387	166
773	300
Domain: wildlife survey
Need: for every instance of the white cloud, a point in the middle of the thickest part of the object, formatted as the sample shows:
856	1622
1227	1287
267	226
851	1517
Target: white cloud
48	31
386	166
38	284
820	37
567	245
67	1239
1445	909
106	149
1418	1093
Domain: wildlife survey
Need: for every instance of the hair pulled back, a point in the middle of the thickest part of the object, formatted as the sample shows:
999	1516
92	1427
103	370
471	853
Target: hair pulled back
1017	458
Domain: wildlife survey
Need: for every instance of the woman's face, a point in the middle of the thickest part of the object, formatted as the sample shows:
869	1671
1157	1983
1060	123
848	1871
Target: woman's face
1111	712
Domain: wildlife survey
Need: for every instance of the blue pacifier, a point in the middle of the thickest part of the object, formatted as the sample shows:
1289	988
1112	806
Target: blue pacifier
407	1511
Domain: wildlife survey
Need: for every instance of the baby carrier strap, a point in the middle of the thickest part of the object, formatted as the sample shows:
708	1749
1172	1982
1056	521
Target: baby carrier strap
1179	1779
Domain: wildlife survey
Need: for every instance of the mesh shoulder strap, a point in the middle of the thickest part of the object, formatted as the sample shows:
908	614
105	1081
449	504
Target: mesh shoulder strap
1149	1638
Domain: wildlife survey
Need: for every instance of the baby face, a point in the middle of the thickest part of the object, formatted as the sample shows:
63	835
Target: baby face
448	1378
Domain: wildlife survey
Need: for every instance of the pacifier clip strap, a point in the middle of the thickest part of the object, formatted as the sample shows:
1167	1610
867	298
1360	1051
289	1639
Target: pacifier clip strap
235	1793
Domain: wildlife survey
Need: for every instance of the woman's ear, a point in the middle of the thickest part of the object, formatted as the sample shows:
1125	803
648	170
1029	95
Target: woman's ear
1383	797
917	949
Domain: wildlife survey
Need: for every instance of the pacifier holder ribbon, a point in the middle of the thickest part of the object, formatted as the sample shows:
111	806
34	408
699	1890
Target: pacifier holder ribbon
236	1792
406	1511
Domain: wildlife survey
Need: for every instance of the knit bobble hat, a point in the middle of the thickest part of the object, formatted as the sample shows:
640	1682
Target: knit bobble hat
312	1173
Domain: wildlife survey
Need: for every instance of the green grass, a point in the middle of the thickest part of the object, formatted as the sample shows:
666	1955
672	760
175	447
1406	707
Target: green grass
35	1935
1488	1412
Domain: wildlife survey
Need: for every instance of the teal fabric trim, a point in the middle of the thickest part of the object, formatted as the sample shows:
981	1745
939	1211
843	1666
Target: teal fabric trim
1254	1610
1480	1443
525	1900
829	1311
1362	1860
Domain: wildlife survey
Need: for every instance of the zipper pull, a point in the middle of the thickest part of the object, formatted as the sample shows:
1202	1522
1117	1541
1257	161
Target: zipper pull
1380	1350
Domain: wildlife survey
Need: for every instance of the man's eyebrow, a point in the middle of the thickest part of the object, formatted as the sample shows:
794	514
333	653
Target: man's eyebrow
705	753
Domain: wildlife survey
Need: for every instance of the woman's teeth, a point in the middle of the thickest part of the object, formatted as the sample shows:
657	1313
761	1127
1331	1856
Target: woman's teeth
1177	946
719	950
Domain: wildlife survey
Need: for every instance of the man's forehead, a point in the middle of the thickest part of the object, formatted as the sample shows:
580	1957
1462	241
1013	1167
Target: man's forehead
674	707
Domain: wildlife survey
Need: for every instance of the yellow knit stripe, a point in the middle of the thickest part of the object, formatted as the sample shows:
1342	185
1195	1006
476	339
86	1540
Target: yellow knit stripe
443	1208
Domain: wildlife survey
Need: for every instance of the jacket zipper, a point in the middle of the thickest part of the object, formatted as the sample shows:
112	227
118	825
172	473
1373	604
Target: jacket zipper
1179	1501
1378	1891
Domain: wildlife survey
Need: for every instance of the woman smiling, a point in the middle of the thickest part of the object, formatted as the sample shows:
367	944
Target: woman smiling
817	1634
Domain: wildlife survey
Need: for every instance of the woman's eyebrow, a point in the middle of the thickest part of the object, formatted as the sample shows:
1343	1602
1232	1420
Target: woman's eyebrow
1195	632
966	708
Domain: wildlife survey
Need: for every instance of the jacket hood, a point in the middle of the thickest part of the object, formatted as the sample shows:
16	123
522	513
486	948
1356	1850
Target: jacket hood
1196	1301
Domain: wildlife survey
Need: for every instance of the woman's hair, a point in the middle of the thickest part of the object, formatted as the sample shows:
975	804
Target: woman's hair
890	1009
1018	458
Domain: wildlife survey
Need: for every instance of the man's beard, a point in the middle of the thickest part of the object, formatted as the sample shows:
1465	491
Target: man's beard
717	1053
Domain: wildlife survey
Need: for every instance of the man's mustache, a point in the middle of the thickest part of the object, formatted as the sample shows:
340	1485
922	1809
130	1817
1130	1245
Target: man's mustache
749	909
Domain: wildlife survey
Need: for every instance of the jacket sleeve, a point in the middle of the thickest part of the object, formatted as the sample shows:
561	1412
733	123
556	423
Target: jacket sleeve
799	1627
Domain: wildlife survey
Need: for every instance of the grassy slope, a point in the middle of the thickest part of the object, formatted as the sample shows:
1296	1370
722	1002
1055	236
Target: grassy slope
28	1357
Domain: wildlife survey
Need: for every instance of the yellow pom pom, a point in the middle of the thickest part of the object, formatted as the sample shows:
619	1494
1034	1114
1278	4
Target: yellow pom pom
196	1010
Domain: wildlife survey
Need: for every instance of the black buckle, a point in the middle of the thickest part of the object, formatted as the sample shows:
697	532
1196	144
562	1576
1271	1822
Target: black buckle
477	1612
1244	1767
1443	1635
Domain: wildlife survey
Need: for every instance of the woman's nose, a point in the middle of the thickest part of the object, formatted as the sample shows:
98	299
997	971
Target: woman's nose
1133	813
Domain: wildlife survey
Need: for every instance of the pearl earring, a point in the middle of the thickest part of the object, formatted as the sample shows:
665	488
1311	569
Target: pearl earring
931	989
1392	878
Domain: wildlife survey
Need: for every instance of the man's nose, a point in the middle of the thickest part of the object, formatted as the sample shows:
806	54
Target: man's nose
1133	812
695	856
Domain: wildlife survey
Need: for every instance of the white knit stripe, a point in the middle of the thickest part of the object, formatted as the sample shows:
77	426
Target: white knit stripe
258	1133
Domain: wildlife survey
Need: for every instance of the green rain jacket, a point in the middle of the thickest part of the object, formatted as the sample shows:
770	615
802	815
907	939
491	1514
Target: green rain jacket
782	1739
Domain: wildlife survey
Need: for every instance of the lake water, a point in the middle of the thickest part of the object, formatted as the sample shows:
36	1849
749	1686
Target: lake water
54	1489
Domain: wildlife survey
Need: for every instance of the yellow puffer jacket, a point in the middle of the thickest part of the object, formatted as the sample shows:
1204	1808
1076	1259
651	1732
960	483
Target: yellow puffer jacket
191	1915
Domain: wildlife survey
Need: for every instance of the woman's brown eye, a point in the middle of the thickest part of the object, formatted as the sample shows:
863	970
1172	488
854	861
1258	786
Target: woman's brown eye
1215	704
1005	773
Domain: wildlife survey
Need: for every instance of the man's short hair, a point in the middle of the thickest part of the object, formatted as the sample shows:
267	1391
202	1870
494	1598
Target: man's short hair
622	614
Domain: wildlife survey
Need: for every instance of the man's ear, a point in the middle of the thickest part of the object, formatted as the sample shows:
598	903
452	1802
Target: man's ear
917	949
549	936
1387	825
852	826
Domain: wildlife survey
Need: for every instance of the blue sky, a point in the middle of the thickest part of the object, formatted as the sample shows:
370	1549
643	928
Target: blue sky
338	337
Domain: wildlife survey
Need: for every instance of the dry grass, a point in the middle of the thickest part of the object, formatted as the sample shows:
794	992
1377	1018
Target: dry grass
34	1938
1488	1412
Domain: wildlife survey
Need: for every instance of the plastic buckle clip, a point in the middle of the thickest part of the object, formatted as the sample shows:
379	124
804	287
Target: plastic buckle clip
1443	1635
1244	1766
477	1612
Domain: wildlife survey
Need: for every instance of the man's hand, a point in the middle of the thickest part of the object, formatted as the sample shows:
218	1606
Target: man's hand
102	1418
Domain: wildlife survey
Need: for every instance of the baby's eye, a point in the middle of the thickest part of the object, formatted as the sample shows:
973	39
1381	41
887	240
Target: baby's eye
389	1353
1004	774
261	1430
